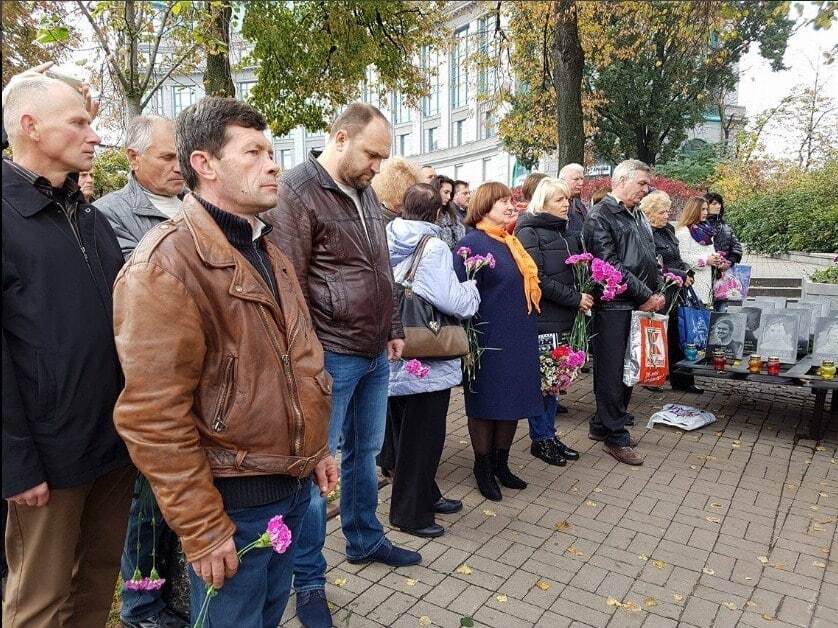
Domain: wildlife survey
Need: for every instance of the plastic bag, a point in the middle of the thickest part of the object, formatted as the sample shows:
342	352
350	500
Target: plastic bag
693	327
728	287
647	355
683	417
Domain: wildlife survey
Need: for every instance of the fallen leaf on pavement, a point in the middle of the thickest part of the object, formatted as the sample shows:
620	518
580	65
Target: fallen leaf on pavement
466	622
750	604
659	564
729	605
340	581
735	446
590	503
643	557
719	434
464	442
833	461
716	505
597	490
807	462
713	519
612	601
678	597
767	617
574	551
823	494
543	585
737	442
490	513
649	602
424	620
501	598
632	607
709	572
562	525
818	563
411	582
748	578
763	559
692	466
464	569
780	566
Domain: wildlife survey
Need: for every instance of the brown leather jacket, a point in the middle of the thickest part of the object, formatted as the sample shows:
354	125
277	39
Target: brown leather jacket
220	380
345	277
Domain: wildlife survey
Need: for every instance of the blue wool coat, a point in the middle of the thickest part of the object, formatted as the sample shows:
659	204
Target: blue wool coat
508	383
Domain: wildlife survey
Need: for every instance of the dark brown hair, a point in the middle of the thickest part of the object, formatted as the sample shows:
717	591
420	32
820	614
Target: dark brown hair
203	126
530	183
483	199
421	202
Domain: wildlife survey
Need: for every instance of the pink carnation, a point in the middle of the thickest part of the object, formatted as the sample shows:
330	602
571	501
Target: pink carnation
413	366
279	533
145	584
464	252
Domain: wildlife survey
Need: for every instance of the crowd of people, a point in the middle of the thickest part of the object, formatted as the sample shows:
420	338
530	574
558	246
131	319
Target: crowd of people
187	356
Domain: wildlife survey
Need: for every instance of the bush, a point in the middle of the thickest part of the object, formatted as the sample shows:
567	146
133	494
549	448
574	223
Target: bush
693	168
826	275
678	191
110	171
798	214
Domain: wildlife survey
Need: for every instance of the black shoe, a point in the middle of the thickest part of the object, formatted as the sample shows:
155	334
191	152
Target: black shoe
503	473
561	410
630	420
448	506
390	555
547	451
655	389
696	390
564	450
313	610
485	478
431	532
164	619
387	473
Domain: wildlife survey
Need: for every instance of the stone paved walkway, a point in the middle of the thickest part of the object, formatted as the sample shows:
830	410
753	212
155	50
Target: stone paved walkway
766	266
734	524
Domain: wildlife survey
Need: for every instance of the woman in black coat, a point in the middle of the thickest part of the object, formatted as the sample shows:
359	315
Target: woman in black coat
543	232
656	207
724	240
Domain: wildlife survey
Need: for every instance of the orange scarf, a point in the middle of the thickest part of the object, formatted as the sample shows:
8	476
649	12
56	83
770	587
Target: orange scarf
525	263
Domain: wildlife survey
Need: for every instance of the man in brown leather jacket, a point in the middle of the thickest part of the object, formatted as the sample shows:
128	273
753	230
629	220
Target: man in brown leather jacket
226	402
329	223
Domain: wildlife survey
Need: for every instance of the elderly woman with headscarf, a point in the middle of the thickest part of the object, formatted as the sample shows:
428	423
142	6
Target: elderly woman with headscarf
656	206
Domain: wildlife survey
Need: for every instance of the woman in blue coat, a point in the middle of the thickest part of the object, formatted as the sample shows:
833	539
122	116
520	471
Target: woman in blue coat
507	385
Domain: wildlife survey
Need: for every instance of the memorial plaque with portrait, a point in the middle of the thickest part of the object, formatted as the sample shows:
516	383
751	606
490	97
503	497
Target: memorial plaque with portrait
753	318
826	339
727	331
779	335
804	315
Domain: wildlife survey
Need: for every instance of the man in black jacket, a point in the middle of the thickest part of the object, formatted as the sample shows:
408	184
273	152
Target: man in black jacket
618	232
66	474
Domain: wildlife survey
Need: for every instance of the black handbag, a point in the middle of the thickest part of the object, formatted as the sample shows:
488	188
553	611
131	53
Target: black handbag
428	333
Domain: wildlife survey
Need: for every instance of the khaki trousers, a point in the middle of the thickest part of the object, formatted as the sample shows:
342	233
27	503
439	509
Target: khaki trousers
64	556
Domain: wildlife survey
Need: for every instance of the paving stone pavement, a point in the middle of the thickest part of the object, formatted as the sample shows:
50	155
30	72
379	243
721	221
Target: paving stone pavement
733	524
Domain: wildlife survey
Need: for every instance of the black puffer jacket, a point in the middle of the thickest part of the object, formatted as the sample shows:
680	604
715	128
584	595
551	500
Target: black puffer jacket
725	241
624	239
549	244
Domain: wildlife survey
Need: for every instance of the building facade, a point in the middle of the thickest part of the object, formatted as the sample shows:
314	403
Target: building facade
453	128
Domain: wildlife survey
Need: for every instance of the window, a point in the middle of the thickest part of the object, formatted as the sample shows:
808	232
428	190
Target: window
487	74
430	64
457	133
244	89
182	97
286	155
431	139
487	164
401	113
487	125
458	69
458	168
403	144
371	91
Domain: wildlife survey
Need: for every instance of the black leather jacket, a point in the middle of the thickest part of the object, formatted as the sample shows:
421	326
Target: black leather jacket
726	241
666	248
623	238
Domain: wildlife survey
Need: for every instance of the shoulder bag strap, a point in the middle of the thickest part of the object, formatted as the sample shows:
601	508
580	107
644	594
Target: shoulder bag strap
417	257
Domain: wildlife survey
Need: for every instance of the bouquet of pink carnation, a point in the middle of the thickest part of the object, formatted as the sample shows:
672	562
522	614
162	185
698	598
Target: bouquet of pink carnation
559	368
471	361
590	272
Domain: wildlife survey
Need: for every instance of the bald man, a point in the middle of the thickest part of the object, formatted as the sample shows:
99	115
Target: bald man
67	476
573	176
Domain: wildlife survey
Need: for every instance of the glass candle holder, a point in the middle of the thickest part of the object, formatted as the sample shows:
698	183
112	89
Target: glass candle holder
755	364
828	370
719	359
773	365
691	352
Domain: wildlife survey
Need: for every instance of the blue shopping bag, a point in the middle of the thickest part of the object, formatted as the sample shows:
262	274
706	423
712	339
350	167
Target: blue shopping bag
693	327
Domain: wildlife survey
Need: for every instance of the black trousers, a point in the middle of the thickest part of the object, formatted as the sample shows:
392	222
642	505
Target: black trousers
677	380
611	329
418	427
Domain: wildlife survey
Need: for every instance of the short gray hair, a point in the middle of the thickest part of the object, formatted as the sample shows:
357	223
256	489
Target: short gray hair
18	95
571	168
654	201
139	130
628	169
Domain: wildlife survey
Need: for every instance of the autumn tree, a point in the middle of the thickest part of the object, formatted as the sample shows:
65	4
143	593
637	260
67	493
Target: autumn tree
311	55
218	75
22	46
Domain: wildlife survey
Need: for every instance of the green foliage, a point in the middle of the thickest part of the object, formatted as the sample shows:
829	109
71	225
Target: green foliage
110	171
693	168
799	216
311	55
826	275
27	39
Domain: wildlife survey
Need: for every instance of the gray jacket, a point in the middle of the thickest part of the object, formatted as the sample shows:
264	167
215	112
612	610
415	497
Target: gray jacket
437	283
130	213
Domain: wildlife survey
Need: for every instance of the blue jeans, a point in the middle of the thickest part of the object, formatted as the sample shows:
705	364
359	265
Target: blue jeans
359	411
543	426
258	593
137	605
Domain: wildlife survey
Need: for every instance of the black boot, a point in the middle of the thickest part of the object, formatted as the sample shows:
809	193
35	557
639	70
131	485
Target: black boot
564	450
501	468
485	480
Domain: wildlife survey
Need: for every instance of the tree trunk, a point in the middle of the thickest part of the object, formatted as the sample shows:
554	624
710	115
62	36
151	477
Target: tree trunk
218	78
132	105
568	63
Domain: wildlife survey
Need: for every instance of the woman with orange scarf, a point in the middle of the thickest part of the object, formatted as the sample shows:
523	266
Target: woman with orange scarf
507	387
